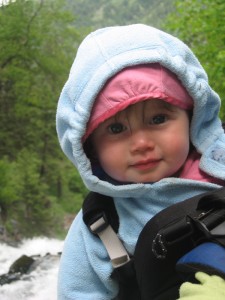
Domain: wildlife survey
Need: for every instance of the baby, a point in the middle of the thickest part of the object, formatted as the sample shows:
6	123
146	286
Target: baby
140	122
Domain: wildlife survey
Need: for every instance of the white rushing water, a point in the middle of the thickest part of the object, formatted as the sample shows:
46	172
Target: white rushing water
41	283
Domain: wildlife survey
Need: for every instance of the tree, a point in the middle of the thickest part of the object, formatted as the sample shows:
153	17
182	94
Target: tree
101	13
200	24
36	40
30	207
38	44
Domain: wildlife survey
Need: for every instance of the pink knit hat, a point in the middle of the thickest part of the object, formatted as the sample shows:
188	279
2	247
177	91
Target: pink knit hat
135	84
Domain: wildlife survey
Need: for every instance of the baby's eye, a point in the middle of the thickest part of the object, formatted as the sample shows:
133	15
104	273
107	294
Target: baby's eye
158	119
116	128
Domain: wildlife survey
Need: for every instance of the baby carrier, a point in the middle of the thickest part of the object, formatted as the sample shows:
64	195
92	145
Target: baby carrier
168	248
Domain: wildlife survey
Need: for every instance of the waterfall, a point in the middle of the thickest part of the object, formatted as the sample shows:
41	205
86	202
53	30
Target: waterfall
40	284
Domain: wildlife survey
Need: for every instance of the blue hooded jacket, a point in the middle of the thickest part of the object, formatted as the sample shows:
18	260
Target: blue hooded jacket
85	269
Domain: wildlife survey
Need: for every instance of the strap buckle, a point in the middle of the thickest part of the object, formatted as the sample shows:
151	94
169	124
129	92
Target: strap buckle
99	223
115	248
211	222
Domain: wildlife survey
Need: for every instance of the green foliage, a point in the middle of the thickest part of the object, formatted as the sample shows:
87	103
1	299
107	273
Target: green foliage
8	189
38	44
102	13
33	68
30	211
68	188
201	25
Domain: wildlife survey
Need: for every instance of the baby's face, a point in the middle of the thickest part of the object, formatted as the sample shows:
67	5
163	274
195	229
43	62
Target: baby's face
146	142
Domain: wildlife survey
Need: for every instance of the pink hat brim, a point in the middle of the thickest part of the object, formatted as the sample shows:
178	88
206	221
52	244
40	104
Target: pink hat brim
135	84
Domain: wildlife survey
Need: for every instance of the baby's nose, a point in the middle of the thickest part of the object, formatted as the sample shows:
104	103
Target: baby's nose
141	141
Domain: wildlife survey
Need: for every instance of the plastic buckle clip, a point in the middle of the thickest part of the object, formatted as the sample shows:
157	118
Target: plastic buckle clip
175	232
100	223
211	222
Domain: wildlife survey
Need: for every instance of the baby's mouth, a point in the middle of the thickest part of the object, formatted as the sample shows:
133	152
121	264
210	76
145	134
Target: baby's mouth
146	164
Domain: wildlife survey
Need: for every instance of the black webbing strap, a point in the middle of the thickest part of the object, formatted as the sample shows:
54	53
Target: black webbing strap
100	216
96	205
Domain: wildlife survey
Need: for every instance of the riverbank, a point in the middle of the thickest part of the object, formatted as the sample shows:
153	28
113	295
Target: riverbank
41	283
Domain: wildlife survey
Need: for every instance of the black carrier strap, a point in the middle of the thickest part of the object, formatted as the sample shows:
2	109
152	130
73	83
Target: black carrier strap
151	273
96	205
171	234
99	212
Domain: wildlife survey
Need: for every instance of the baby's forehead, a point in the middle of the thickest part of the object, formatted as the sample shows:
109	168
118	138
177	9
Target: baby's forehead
145	106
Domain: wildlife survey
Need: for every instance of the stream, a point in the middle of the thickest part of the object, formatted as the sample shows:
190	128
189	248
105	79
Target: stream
40	283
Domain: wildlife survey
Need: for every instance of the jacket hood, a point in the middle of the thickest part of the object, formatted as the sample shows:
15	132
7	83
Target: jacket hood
104	53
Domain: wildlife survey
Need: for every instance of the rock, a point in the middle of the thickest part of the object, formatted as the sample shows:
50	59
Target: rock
8	278
21	265
25	265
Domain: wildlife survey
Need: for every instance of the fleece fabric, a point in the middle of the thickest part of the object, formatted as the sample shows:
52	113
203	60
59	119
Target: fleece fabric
210	287
85	269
